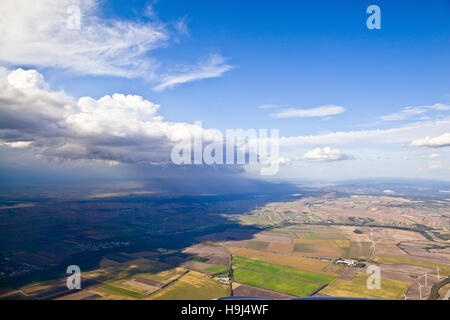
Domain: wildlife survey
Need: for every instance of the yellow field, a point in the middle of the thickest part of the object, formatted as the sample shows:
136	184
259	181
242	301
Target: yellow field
357	288
192	286
313	265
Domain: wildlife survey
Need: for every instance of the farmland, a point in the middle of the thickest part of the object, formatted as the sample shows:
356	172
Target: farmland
192	286
357	287
278	278
251	278
296	288
261	266
307	264
287	249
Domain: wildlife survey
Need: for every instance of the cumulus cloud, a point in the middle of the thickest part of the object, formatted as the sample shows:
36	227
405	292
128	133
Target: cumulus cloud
322	111
282	161
30	79
435	142
118	128
213	67
326	155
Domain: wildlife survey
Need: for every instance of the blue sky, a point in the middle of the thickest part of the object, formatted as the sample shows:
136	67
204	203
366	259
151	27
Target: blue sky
298	55
291	55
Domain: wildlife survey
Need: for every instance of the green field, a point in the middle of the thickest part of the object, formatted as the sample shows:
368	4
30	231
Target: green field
251	278
218	268
265	267
296	288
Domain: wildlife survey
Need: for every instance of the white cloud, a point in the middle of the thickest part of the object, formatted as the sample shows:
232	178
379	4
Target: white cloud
39	34
402	134
326	155
322	111
436	142
268	106
181	25
404	114
282	161
30	79
431	156
213	67
117	128
440	107
409	112
18	144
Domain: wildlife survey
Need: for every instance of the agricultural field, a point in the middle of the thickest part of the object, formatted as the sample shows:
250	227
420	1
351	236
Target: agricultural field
252	278
302	263
311	245
317	248
432	265
110	291
257	245
218	268
357	287
280	270
278	278
192	286
242	290
295	288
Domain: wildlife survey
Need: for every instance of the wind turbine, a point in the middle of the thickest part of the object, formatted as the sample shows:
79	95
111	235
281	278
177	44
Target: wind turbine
426	277
438	272
406	298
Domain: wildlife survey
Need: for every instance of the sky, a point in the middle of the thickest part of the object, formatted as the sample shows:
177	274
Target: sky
113	91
